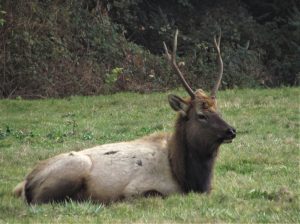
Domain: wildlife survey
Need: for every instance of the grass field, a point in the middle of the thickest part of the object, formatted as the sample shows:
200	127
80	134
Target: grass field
256	177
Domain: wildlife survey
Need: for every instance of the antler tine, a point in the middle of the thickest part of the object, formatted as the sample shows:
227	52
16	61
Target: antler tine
172	60
217	43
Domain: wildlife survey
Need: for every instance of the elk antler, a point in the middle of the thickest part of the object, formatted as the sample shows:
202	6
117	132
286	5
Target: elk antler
220	63
172	59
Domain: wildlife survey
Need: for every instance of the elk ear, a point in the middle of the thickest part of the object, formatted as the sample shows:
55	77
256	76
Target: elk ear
178	104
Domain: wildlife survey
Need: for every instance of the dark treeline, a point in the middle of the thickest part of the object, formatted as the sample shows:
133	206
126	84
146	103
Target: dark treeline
57	48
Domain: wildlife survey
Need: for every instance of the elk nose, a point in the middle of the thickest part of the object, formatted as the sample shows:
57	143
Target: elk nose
231	133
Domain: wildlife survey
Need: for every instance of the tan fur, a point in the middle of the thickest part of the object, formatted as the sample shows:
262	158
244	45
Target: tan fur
109	172
207	102
58	176
19	189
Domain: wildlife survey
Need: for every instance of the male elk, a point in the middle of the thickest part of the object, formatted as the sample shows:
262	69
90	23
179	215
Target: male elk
159	164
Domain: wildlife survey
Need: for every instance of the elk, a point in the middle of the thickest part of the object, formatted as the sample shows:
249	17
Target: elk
158	164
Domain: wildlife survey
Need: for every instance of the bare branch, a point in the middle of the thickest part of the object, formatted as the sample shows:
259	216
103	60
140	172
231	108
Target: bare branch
175	47
217	43
167	52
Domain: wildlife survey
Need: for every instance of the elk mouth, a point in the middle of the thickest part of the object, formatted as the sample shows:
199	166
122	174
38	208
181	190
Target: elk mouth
226	141
229	136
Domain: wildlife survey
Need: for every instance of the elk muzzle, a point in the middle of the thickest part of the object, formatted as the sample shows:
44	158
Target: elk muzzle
229	135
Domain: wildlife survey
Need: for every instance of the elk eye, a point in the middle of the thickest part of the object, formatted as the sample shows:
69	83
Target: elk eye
202	117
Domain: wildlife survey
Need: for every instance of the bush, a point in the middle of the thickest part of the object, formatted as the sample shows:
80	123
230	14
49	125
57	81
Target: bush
62	48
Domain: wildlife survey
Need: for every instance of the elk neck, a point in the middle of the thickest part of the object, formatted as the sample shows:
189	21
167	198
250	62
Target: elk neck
192	166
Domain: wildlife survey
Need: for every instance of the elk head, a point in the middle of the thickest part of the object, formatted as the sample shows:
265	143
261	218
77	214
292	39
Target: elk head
203	125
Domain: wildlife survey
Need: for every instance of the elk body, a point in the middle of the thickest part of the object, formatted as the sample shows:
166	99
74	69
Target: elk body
159	164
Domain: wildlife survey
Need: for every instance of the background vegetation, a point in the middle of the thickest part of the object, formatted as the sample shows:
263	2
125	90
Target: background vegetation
86	47
256	177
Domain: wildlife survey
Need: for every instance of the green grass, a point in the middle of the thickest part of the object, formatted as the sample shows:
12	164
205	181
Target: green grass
256	177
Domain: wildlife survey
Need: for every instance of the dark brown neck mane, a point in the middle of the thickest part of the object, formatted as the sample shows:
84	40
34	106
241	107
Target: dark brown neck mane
191	167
